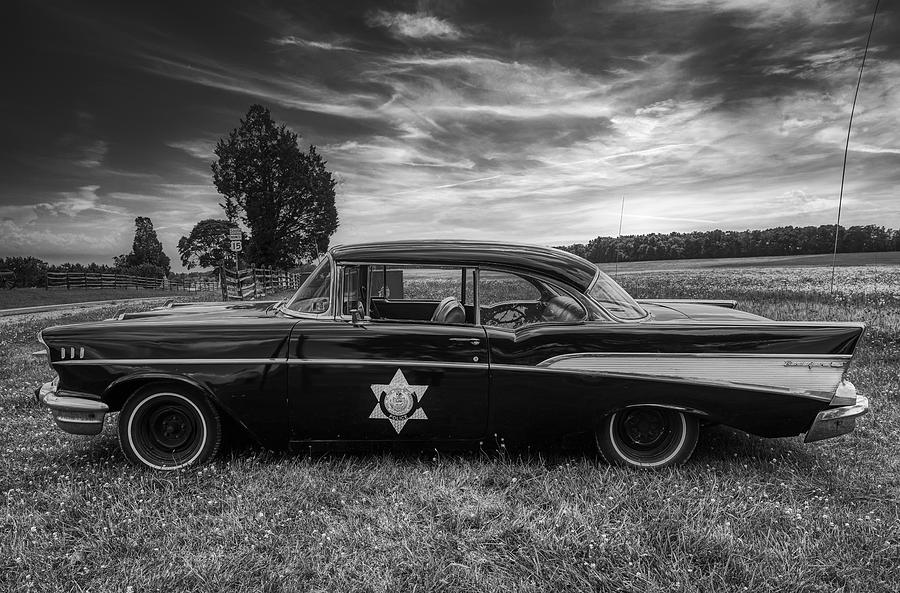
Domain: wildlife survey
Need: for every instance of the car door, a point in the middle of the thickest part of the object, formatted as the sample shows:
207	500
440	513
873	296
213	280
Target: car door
527	321
386	379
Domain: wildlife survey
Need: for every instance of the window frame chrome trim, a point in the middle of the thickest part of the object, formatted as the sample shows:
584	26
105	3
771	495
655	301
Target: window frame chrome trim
613	317
328	313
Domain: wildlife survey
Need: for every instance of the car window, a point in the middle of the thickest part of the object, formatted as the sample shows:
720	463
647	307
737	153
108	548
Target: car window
314	294
499	287
512	301
430	294
417	283
613	298
350	290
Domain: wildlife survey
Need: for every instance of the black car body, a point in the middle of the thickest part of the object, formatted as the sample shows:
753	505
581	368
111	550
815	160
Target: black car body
451	342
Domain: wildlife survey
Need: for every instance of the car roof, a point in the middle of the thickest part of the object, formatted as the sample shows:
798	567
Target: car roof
551	263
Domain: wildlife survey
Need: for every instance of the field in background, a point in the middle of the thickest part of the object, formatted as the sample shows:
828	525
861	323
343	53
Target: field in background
886	258
745	514
33	297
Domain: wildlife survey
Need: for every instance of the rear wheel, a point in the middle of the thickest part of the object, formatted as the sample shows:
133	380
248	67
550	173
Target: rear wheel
168	428
647	437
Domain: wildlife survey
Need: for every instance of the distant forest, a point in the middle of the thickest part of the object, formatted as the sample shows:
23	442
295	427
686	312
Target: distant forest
785	240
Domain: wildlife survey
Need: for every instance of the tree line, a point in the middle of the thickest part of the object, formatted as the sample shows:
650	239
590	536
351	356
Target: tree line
785	240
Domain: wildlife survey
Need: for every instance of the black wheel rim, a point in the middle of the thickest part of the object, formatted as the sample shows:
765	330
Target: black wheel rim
647	435
167	431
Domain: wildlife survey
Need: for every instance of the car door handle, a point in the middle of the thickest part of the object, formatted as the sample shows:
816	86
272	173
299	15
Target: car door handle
473	341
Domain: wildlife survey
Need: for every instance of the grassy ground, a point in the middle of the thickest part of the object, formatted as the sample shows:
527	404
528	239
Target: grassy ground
887	258
745	514
33	297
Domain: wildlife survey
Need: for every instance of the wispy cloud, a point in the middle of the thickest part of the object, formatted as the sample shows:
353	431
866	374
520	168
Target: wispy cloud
293	40
416	26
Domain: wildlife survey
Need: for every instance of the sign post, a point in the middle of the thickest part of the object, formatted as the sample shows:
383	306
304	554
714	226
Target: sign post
235	236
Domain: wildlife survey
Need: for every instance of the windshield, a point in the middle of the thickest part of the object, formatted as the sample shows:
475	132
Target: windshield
314	295
614	299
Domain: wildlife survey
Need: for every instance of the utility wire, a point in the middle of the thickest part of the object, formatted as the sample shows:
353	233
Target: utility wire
837	224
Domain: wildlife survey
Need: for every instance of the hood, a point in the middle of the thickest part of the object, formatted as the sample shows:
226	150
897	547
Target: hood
695	311
218	310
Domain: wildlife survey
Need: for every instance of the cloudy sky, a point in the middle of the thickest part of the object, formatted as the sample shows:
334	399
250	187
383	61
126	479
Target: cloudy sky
522	121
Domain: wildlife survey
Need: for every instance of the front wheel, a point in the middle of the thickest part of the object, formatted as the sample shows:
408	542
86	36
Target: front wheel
647	437
167	428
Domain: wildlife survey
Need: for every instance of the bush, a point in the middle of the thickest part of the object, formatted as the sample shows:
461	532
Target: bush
28	271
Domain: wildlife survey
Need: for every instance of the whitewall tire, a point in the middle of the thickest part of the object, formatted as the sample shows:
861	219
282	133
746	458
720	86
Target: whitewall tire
647	437
167	428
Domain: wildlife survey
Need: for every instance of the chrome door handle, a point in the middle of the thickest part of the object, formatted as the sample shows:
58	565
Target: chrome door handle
473	341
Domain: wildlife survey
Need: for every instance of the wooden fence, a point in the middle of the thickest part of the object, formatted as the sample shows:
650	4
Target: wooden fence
255	283
69	280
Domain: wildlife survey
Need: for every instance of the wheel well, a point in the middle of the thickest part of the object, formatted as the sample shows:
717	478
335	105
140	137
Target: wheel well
116	396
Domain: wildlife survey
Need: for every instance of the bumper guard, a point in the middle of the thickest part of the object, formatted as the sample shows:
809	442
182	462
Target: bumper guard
75	415
837	421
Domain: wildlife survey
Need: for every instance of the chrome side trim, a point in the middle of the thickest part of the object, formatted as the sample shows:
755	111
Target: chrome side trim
648	377
143	361
392	363
726	303
552	361
269	361
813	376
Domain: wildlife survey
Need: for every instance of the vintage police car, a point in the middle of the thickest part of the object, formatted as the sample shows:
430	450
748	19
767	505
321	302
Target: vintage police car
440	342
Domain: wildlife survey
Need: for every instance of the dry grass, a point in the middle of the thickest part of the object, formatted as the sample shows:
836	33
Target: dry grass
746	514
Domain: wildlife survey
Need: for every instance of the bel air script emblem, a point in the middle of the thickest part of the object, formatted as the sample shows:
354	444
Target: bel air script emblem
398	401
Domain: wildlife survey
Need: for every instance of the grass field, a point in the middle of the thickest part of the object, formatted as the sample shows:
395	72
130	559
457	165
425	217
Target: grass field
33	297
887	258
746	514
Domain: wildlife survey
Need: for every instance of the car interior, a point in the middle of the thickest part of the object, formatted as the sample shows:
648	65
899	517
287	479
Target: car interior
383	293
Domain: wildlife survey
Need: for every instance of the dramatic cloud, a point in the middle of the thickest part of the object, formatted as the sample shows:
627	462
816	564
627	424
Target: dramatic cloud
524	121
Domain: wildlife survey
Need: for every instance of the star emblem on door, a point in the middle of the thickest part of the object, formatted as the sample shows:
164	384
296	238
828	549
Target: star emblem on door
398	401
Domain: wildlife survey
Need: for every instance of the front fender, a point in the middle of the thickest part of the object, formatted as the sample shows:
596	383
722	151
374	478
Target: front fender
118	392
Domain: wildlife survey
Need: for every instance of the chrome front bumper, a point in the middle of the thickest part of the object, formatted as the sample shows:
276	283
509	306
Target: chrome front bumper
837	421
75	415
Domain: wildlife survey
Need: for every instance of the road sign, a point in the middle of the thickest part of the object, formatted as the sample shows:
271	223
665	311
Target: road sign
236	246
234	234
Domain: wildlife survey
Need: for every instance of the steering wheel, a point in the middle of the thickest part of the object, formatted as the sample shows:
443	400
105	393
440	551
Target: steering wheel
508	314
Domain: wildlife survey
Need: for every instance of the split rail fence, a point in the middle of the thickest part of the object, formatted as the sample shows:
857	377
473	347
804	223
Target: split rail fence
255	283
69	280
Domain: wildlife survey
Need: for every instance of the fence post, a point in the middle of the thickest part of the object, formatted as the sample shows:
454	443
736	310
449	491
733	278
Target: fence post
223	282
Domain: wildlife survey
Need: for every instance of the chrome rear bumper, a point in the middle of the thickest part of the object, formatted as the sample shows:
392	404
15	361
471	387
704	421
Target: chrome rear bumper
75	415
837	421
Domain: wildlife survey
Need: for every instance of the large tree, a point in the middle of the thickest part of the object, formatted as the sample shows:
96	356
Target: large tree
146	249
206	246
283	195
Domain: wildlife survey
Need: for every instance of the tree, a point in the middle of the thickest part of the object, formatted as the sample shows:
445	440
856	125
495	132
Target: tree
146	249
206	246
27	271
283	195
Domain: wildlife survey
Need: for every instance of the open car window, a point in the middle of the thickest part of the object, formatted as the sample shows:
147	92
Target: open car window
435	294
512	301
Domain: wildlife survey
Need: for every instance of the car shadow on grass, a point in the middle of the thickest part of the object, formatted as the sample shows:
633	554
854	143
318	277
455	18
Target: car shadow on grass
717	446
